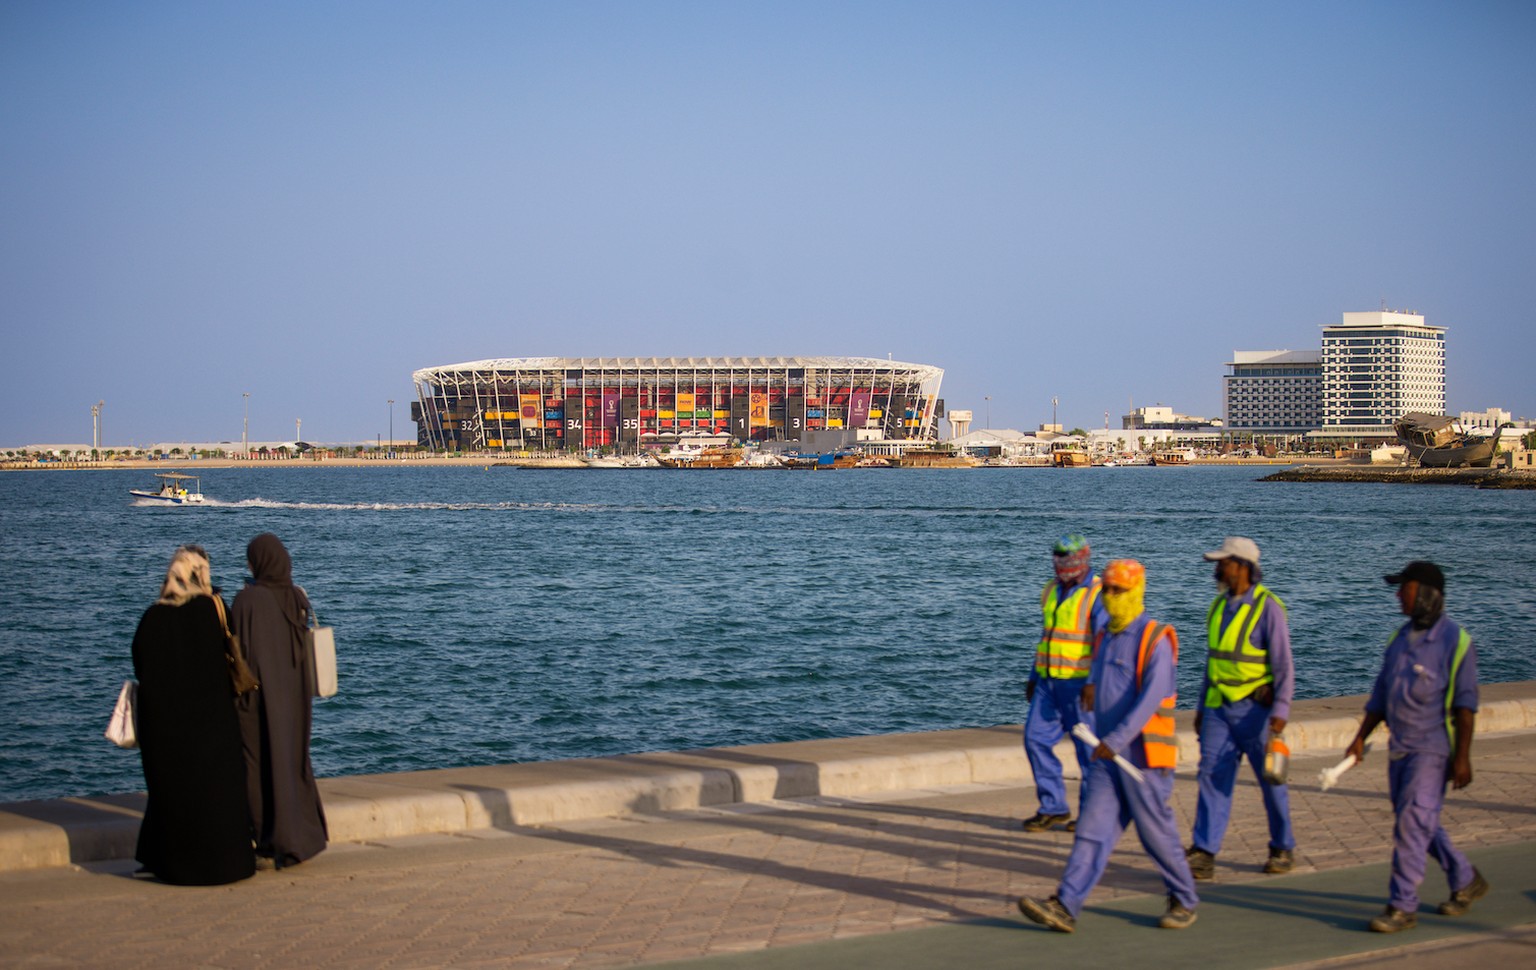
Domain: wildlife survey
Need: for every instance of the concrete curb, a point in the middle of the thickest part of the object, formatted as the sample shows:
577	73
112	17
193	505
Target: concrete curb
363	808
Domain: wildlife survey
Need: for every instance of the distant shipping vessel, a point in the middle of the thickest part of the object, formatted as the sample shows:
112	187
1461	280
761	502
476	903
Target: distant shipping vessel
1437	441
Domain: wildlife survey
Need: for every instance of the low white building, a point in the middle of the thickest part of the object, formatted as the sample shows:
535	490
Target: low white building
1004	443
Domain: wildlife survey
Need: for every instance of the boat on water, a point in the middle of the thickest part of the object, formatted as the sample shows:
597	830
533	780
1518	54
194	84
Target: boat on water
1069	454
172	490
1170	458
707	458
825	461
932	458
628	461
1438	441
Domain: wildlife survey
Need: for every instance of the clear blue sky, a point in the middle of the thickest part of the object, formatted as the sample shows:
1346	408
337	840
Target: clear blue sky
1097	201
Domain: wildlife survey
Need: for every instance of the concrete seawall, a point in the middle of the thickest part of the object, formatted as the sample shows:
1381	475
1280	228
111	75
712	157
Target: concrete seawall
361	808
1476	477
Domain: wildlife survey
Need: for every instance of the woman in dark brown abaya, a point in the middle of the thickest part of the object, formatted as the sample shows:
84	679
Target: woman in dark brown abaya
270	615
196	829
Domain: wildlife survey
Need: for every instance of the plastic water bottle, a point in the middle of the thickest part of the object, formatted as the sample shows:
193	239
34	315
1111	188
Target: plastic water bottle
1277	759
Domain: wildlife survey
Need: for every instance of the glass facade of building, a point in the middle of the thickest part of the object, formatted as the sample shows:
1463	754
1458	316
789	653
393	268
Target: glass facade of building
626	403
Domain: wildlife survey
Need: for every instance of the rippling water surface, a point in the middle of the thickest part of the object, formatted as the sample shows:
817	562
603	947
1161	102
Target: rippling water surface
496	615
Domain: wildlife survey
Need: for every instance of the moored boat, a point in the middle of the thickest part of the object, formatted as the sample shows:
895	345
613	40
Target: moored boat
932	458
1437	441
1069	454
708	458
1170	458
821	462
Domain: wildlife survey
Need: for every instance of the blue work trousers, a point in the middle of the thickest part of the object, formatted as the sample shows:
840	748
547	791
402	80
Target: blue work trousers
1228	734
1417	785
1052	713
1111	800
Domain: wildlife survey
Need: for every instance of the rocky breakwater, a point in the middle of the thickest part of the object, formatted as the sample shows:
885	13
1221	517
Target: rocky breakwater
1476	477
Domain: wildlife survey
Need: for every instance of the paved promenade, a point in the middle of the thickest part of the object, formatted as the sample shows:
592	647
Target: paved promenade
920	876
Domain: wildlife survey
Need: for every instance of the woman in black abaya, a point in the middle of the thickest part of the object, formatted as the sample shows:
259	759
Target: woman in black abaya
196	829
270	615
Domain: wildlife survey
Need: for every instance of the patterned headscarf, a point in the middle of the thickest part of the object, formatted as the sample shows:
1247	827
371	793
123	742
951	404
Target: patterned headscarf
1070	559
187	577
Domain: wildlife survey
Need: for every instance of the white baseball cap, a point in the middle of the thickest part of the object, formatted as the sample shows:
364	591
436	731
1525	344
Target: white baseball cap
1236	547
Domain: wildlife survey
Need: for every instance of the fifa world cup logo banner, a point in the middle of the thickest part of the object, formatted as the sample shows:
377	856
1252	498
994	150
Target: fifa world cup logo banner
858	408
610	410
528	408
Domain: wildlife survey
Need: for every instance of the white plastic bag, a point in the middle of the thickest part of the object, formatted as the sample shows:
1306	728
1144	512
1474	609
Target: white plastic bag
122	730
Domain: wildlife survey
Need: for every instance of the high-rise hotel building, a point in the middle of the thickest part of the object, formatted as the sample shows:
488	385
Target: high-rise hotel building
1373	368
1378	366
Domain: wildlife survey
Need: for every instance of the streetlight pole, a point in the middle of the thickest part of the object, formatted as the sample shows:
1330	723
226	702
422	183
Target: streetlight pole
1053	415
391	427
96	426
988	399
245	429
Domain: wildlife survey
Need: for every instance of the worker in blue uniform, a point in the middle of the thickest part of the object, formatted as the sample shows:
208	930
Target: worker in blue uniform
1131	692
1072	615
1249	683
1426	693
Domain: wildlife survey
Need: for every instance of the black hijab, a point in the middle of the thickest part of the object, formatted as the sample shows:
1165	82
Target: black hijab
272	567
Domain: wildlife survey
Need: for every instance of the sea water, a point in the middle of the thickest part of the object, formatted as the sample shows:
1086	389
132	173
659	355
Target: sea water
487	614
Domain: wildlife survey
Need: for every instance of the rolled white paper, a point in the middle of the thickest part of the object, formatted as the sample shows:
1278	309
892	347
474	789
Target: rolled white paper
1081	731
1329	777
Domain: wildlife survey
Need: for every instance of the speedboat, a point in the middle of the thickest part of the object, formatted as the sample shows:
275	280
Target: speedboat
173	490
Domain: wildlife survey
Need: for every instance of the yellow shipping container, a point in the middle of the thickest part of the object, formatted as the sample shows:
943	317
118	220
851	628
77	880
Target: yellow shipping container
834	422
666	413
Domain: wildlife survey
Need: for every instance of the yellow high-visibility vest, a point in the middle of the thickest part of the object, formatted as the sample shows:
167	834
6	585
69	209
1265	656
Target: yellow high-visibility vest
1234	666
1065	650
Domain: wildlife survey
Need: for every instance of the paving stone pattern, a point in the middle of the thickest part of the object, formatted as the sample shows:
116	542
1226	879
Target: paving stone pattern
621	892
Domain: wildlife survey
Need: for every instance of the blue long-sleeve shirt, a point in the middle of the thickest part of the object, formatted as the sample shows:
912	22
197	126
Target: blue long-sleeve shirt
1098	617
1410	690
1273	635
1121	708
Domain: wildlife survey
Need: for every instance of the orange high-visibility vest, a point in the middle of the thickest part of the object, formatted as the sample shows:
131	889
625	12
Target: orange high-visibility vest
1162	749
1157	735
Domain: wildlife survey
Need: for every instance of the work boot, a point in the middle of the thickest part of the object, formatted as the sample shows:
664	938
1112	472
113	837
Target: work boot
1072	825
1178	916
1393	920
1202	865
1280	861
1040	821
1048	912
1461	899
